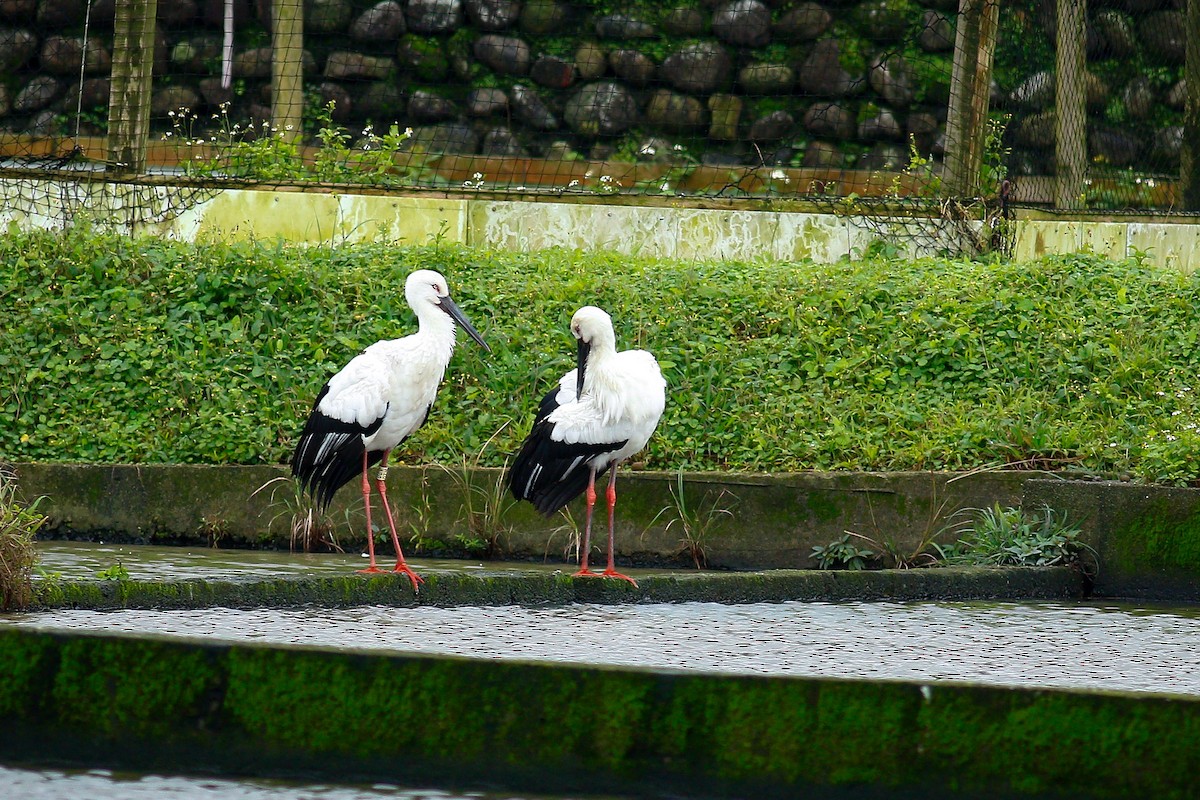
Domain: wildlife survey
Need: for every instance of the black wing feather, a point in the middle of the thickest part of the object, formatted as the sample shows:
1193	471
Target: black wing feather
323	470
542	471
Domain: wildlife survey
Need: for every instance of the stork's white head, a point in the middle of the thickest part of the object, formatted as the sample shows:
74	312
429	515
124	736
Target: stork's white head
593	330
426	288
593	326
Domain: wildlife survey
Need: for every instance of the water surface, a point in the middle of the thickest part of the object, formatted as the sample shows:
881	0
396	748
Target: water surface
1077	646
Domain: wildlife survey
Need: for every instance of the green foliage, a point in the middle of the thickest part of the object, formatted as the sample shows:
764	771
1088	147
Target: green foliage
18	556
695	521
116	572
1011	537
842	554
148	350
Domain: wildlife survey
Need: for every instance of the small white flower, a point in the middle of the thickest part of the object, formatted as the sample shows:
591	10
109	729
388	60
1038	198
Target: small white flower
572	184
606	178
478	176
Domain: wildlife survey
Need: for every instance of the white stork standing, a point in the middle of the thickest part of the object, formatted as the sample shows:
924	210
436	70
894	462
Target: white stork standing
602	412
376	401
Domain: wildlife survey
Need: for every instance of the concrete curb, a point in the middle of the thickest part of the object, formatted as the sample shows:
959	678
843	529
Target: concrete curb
454	589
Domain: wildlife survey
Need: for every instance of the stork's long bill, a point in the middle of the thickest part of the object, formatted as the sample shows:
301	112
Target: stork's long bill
448	305
581	353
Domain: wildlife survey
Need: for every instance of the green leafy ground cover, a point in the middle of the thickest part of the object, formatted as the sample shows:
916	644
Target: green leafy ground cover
122	350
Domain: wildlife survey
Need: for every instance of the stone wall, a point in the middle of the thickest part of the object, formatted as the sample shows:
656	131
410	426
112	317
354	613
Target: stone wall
837	84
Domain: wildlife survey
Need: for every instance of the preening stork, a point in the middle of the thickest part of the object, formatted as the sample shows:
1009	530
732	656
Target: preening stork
376	401
602	412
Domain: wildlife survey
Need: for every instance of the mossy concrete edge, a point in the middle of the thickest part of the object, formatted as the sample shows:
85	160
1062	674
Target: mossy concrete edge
453	589
145	703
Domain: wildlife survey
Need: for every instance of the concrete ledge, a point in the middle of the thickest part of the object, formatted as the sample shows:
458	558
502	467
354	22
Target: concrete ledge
1146	538
457	589
144	703
775	520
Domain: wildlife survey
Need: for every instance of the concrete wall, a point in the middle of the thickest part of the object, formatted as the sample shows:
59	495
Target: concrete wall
144	703
661	227
773	521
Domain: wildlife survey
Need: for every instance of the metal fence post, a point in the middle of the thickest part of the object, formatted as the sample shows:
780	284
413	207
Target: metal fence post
287	66
1070	135
966	120
129	95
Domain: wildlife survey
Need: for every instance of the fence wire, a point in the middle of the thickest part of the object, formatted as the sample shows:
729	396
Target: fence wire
844	106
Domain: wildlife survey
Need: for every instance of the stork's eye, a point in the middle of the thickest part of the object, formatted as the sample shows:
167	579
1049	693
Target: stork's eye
437	288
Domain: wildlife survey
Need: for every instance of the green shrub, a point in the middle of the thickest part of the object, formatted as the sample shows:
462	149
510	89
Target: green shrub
147	350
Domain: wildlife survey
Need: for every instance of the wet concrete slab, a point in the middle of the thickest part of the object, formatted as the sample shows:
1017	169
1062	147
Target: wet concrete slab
146	576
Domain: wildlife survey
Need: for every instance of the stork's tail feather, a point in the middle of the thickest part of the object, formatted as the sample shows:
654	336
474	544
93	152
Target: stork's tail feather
550	474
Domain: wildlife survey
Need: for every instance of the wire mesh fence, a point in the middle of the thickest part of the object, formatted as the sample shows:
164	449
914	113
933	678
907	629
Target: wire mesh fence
855	108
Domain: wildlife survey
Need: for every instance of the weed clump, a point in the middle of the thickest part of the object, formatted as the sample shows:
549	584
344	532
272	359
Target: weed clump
18	557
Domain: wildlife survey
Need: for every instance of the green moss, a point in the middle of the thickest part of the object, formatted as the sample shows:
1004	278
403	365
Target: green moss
1157	540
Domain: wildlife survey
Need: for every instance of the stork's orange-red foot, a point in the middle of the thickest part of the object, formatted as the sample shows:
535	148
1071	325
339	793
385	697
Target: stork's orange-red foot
612	573
403	569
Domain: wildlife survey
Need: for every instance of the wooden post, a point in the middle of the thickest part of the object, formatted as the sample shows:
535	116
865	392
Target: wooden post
970	83
287	65
1189	165
1070	146
129	95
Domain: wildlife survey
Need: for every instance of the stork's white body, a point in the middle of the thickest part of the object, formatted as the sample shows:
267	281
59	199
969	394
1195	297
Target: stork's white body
581	431
378	400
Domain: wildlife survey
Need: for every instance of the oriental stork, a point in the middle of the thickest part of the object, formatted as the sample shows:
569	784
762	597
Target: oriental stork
602	412
376	401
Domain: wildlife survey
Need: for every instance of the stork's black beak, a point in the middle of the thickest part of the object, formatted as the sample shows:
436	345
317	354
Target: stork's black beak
457	315
581	353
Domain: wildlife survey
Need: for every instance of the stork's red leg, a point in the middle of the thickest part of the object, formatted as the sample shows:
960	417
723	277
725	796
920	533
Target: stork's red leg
590	497
366	490
610	571
401	566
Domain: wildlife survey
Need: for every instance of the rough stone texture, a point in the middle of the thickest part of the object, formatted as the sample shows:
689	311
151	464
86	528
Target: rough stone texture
623	26
822	73
1138	97
61	13
1166	148
675	112
444	137
545	17
553	72
501	141
347	64
382	22
685	21
829	120
893	79
173	98
327	16
194	53
822	154
61	55
1164	34
771	127
1116	32
434	16
531	109
632	66
590	61
725	111
882	125
802	23
427	106
603	108
37	94
17	46
881	20
743	23
485	102
493	15
701	68
767	79
937	32
507	55
18	10
1113	145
